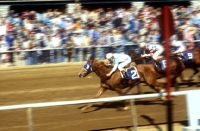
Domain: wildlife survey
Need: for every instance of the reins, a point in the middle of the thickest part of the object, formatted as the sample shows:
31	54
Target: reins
100	75
137	58
98	68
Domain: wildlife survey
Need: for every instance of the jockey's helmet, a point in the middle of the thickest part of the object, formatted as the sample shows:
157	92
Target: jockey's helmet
142	44
109	56
174	42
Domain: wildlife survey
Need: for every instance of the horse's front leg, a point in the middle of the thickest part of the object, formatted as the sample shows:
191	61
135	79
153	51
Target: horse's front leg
182	78
160	88
196	71
174	83
99	93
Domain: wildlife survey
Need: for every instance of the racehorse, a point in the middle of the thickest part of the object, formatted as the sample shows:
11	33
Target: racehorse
195	62
115	82
196	56
190	62
176	66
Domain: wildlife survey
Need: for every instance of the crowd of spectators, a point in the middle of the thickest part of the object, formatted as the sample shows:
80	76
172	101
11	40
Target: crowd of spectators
66	37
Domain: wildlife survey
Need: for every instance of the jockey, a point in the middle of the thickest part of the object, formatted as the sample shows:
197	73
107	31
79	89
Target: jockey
179	46
154	49
119	60
182	51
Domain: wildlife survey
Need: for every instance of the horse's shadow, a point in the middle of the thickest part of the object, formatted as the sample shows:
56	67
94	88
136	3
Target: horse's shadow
152	122
104	105
190	83
119	104
156	125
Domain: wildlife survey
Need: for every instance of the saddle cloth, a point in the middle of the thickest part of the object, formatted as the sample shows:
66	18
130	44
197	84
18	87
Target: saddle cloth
187	55
131	73
163	63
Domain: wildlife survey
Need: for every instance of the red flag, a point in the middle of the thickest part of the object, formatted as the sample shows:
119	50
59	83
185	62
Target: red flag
166	23
169	24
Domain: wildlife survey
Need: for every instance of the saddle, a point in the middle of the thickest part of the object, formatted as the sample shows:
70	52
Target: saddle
131	73
156	63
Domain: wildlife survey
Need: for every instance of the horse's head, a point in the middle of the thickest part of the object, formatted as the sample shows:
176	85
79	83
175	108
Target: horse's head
93	66
87	69
134	55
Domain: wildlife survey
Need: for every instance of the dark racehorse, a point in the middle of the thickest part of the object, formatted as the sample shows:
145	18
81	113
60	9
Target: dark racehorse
190	64
115	82
176	66
195	62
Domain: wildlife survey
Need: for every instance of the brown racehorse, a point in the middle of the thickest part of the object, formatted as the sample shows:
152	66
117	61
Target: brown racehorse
115	82
176	66
196	56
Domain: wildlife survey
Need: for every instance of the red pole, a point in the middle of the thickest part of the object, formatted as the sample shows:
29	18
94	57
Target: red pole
166	12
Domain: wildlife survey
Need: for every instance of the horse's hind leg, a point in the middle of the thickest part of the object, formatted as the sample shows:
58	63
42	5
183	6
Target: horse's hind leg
175	84
99	93
195	69
139	90
126	105
182	78
160	87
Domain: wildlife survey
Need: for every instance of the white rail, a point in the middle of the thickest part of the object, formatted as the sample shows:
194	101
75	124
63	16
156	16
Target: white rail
60	103
111	45
59	48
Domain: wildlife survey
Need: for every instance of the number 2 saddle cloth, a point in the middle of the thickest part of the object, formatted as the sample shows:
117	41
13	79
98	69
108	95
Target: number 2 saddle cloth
131	73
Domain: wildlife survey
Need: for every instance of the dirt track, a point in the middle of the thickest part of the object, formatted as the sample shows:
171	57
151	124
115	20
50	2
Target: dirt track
45	83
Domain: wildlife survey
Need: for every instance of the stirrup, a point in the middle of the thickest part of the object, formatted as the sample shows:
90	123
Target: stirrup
123	72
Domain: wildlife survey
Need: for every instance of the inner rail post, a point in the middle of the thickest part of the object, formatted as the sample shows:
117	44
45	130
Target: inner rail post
30	119
134	115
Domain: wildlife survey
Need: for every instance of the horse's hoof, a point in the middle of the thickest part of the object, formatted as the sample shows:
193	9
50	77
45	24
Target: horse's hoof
139	93
176	89
123	108
83	109
160	99
126	108
184	80
190	80
163	98
199	78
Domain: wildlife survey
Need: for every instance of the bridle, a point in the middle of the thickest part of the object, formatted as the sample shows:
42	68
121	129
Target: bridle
137	58
97	67
88	67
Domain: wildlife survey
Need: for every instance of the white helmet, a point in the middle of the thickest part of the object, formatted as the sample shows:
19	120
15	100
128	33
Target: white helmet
174	43
142	44
109	56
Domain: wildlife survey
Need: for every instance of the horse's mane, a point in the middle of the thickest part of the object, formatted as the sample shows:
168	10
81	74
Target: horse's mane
102	63
131	53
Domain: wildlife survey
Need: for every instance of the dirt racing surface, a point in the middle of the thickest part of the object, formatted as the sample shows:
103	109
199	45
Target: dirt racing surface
60	82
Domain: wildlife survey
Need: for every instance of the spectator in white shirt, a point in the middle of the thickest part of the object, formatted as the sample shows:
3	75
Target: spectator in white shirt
2	29
78	43
56	43
84	17
29	25
3	47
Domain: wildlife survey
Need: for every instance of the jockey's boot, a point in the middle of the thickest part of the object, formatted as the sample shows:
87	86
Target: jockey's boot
155	62
124	73
182	58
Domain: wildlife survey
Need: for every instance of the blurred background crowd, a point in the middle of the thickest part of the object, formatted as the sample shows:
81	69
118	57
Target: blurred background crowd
57	36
